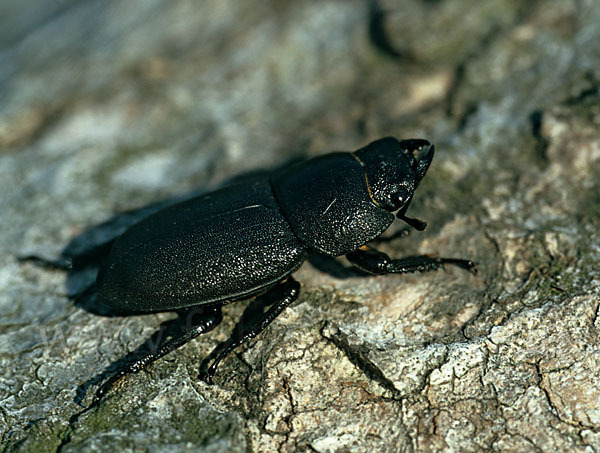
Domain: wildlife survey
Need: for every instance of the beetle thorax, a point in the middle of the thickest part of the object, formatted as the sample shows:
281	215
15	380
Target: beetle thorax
328	204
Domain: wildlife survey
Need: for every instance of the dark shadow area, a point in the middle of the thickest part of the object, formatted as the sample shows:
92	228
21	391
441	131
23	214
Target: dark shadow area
541	143
379	36
331	266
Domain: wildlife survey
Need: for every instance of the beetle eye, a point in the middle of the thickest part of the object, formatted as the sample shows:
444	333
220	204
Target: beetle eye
399	198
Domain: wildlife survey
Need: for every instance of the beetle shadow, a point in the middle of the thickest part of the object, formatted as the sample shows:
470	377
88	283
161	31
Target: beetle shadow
331	266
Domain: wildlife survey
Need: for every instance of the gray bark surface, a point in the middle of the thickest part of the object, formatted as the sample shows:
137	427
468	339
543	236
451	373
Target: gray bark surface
107	106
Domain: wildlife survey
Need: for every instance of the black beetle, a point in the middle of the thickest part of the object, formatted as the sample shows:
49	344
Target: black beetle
247	239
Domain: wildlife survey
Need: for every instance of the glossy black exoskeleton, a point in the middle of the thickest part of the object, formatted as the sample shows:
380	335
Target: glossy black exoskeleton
247	239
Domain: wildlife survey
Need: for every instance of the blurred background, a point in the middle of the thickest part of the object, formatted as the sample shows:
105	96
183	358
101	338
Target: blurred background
107	106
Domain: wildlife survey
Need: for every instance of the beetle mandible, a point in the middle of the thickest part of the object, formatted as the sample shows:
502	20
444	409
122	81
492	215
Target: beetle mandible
247	239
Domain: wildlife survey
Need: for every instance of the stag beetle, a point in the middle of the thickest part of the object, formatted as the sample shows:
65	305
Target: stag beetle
247	239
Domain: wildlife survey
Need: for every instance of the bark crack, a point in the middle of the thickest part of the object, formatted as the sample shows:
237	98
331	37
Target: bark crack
360	360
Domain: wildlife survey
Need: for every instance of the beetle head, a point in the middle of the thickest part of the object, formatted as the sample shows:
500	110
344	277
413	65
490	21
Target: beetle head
394	169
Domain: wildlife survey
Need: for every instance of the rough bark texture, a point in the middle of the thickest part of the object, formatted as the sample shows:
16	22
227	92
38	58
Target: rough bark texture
107	106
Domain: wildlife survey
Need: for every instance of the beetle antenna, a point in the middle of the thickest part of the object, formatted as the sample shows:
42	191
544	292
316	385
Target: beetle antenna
417	224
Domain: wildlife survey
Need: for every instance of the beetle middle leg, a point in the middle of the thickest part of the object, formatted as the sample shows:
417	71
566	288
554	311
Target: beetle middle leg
209	318
376	262
283	294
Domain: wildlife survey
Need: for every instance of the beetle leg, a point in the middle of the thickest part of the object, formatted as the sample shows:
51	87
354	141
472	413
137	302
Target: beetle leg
284	294
60	264
209	319
376	262
74	259
392	237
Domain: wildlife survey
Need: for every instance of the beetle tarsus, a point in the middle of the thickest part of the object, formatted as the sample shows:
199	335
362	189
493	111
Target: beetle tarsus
467	265
109	384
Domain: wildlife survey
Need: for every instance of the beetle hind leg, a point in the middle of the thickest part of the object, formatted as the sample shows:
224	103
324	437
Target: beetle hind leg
59	264
277	299
378	263
209	318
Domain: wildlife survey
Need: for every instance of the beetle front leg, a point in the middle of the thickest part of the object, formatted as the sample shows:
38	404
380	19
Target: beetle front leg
284	294
375	262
